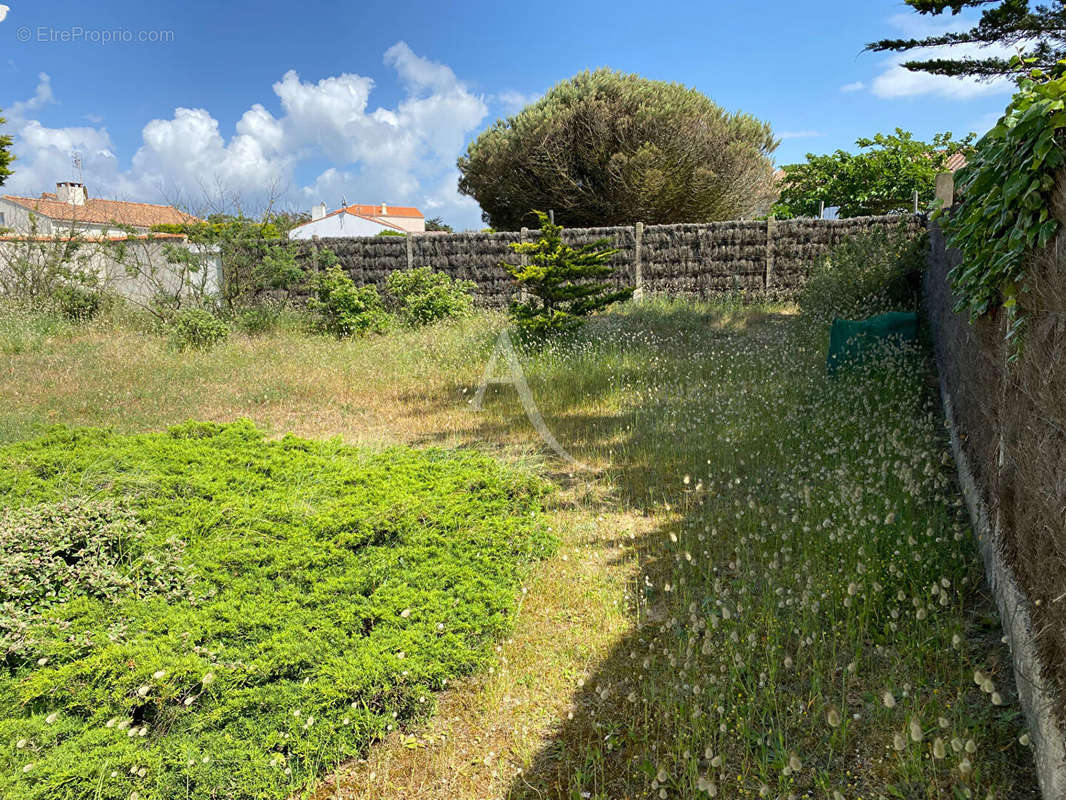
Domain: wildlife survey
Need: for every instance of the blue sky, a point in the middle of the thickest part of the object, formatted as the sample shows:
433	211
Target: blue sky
374	101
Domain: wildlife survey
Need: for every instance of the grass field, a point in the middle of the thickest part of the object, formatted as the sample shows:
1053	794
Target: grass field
764	585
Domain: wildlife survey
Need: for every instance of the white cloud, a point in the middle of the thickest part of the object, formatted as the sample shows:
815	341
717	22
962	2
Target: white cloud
42	96
985	122
857	86
44	155
894	81
512	102
799	134
187	155
42	151
403	155
420	74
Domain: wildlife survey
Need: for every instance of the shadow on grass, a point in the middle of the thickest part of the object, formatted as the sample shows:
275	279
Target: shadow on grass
610	746
597	401
606	745
642	434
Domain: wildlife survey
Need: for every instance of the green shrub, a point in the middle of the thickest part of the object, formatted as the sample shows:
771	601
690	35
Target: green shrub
865	275
198	329
421	296
257	321
344	308
334	590
78	303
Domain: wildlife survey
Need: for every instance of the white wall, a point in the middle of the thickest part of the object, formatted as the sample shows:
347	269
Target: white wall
338	225
91	229
17	218
143	270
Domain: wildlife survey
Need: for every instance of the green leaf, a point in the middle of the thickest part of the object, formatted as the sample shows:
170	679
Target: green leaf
1047	231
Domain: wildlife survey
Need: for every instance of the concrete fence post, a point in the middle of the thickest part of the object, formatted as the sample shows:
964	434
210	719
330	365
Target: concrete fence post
410	251
638	267
945	189
524	261
771	229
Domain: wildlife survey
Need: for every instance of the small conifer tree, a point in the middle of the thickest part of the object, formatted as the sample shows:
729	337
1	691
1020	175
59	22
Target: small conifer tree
564	284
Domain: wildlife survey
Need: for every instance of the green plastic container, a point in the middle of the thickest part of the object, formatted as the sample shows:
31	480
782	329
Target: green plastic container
852	340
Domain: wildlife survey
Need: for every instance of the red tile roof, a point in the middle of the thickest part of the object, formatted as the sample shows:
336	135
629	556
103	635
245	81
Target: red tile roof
955	163
372	216
145	237
101	212
378	220
390	211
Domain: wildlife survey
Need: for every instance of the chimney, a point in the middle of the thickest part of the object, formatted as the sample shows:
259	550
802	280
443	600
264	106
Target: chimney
318	211
72	193
384	209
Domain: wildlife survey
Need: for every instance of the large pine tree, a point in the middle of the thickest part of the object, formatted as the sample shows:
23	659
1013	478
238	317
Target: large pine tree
1038	32
609	148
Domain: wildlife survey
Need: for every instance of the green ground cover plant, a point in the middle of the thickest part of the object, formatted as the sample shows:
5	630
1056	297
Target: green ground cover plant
205	613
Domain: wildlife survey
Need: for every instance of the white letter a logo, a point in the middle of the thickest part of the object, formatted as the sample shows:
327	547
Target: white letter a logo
517	379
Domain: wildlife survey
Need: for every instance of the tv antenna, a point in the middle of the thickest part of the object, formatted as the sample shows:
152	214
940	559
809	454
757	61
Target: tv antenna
76	160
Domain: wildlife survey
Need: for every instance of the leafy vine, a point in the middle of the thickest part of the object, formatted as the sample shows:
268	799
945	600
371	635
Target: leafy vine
1007	189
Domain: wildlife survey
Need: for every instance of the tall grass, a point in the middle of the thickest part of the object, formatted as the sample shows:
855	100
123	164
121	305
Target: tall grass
25	330
810	623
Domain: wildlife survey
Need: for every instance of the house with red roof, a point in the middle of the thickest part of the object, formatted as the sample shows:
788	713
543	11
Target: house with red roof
33	229
71	211
360	220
